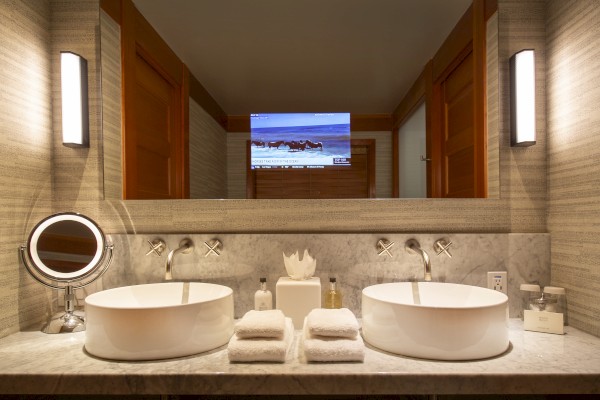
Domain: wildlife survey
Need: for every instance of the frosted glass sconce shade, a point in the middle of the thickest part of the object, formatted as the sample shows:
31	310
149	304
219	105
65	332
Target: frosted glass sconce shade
74	94
522	99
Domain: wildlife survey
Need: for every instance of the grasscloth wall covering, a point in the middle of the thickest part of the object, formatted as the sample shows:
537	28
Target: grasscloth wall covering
77	173
25	153
493	144
573	85
383	159
523	169
208	155
111	106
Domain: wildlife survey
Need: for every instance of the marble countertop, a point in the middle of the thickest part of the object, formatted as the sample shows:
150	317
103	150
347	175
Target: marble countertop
36	363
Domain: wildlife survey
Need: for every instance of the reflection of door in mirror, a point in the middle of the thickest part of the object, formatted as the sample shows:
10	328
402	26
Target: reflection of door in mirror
345	182
458	151
452	88
153	162
459	137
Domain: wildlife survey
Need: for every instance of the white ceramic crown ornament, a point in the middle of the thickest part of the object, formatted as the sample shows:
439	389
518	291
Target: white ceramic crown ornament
300	269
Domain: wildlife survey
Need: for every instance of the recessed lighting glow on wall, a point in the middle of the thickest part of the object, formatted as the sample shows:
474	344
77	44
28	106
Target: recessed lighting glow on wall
522	99
74	93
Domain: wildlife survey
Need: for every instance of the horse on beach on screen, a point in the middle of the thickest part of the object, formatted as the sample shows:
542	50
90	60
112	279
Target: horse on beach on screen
313	145
275	144
296	146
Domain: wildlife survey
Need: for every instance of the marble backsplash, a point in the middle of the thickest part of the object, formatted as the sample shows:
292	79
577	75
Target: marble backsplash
352	258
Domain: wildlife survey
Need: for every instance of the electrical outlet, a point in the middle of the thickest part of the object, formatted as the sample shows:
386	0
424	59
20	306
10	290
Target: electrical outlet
498	280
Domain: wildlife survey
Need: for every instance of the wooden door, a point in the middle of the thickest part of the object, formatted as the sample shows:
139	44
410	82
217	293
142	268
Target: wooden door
457	153
153	139
348	182
151	150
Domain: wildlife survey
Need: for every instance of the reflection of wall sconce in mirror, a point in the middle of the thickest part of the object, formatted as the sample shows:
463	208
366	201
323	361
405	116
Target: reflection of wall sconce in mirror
74	93
522	99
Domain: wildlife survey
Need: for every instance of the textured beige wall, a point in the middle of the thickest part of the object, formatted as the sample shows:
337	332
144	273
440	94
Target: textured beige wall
573	89
25	154
522	169
383	160
35	168
236	164
208	155
78	173
493	144
111	106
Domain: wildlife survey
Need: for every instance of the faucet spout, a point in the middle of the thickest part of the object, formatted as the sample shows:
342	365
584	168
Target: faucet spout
412	246
185	246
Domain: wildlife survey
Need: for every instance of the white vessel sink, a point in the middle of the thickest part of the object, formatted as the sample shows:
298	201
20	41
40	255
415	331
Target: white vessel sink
161	320
440	321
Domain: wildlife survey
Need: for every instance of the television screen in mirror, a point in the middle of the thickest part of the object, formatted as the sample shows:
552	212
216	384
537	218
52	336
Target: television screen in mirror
299	140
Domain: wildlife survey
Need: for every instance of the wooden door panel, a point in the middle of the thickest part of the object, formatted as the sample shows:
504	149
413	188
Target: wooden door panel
459	183
154	180
458	147
155	129
154	155
459	114
460	77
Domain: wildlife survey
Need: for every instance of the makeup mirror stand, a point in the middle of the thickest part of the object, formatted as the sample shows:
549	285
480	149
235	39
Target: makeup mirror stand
68	321
66	251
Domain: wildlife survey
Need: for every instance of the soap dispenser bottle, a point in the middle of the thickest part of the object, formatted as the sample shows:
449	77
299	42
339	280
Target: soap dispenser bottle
263	299
333	297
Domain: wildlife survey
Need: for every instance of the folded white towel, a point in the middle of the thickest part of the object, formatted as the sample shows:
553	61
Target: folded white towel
329	349
261	324
339	323
263	349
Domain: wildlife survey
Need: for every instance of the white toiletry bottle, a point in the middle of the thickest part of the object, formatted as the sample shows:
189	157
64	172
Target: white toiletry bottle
263	299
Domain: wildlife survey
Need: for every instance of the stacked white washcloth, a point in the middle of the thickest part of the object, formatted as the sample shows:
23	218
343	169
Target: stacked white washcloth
331	335
261	336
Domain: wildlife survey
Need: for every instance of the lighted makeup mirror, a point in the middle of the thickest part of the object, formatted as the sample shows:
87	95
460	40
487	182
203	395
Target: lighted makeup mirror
66	251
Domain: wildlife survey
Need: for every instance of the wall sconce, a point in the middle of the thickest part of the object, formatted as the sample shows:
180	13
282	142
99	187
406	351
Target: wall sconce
74	93
522	99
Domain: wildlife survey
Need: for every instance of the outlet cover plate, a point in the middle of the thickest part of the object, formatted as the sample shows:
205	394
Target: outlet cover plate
498	280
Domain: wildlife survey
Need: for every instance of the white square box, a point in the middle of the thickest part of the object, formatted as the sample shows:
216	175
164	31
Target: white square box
297	298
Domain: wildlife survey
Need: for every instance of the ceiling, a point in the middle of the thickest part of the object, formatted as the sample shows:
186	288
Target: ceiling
358	56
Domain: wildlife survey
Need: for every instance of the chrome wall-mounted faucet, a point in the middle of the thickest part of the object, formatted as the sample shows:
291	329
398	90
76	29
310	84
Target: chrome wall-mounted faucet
413	247
186	246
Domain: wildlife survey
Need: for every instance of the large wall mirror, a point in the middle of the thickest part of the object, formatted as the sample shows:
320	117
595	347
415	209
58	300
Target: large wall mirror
305	50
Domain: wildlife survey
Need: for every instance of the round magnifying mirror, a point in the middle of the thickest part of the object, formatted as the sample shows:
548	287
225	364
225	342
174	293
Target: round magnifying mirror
66	251
65	247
